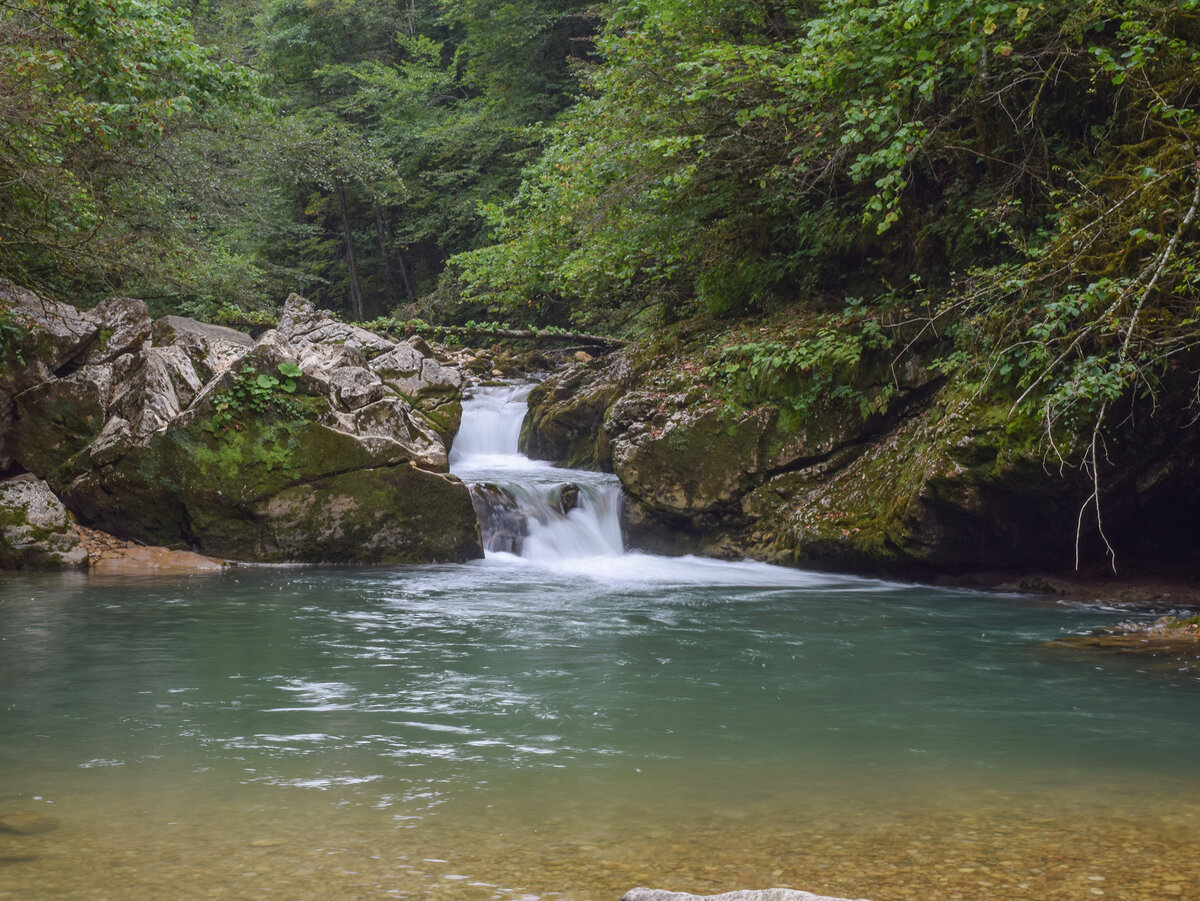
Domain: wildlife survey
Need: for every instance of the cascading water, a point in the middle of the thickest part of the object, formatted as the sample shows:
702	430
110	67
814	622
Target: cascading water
528	507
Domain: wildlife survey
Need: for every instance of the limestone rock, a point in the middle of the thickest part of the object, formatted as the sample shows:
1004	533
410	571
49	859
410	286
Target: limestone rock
433	389
768	894
124	326
26	822
55	420
36	531
182	434
280	483
301	323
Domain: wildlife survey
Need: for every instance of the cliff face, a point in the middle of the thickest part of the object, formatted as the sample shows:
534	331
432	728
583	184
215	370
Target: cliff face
318	442
933	479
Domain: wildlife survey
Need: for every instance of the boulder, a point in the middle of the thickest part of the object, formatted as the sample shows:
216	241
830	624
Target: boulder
38	337
302	323
766	894
433	389
263	466
55	420
682	458
36	531
46	336
182	434
566	417
26	822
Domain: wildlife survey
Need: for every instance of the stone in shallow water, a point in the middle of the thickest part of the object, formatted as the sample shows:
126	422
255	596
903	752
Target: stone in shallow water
26	822
766	894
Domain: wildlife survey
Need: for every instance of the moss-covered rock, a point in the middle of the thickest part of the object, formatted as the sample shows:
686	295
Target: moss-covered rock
36	531
254	472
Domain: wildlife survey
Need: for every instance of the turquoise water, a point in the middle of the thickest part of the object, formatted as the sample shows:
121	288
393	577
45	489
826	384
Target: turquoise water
512	730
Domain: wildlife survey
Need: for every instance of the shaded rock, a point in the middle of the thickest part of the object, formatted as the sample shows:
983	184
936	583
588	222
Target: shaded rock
768	894
397	514
55	420
26	822
302	323
36	531
124	326
51	335
45	337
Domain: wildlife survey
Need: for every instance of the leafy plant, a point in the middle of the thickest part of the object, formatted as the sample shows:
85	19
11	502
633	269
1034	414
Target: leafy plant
255	393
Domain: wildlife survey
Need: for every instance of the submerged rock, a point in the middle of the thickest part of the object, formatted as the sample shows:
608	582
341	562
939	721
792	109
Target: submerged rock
768	894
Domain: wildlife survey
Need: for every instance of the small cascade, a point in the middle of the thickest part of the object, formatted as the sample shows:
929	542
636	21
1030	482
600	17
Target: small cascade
527	507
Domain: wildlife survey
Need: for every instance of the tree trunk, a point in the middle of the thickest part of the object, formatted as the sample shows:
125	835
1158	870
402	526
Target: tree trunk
387	260
356	298
408	289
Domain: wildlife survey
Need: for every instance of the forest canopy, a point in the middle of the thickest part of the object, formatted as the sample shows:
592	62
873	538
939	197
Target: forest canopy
1017	179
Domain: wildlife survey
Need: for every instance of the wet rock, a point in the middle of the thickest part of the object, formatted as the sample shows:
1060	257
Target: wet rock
25	822
502	523
36	531
568	498
770	894
55	420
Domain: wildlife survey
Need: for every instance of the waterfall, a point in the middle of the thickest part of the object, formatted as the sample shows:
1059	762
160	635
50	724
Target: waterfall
528	507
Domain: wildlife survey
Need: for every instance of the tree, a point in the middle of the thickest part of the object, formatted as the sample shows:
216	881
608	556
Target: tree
88	90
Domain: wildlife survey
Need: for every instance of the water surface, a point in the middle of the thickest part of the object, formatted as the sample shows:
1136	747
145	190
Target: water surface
576	722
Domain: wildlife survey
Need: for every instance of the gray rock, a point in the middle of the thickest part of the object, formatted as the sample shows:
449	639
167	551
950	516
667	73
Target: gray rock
768	894
25	822
159	390
301	323
124	326
54	334
36	531
211	348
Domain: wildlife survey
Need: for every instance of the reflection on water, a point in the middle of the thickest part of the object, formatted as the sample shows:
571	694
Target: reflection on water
509	729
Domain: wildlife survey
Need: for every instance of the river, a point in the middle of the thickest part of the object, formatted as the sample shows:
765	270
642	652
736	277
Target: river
572	720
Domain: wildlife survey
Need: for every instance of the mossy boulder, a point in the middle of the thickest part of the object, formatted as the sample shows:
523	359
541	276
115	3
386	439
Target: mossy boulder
36	531
55	420
277	487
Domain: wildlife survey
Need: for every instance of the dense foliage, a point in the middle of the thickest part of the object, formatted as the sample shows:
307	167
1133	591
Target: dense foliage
1009	188
1015	184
